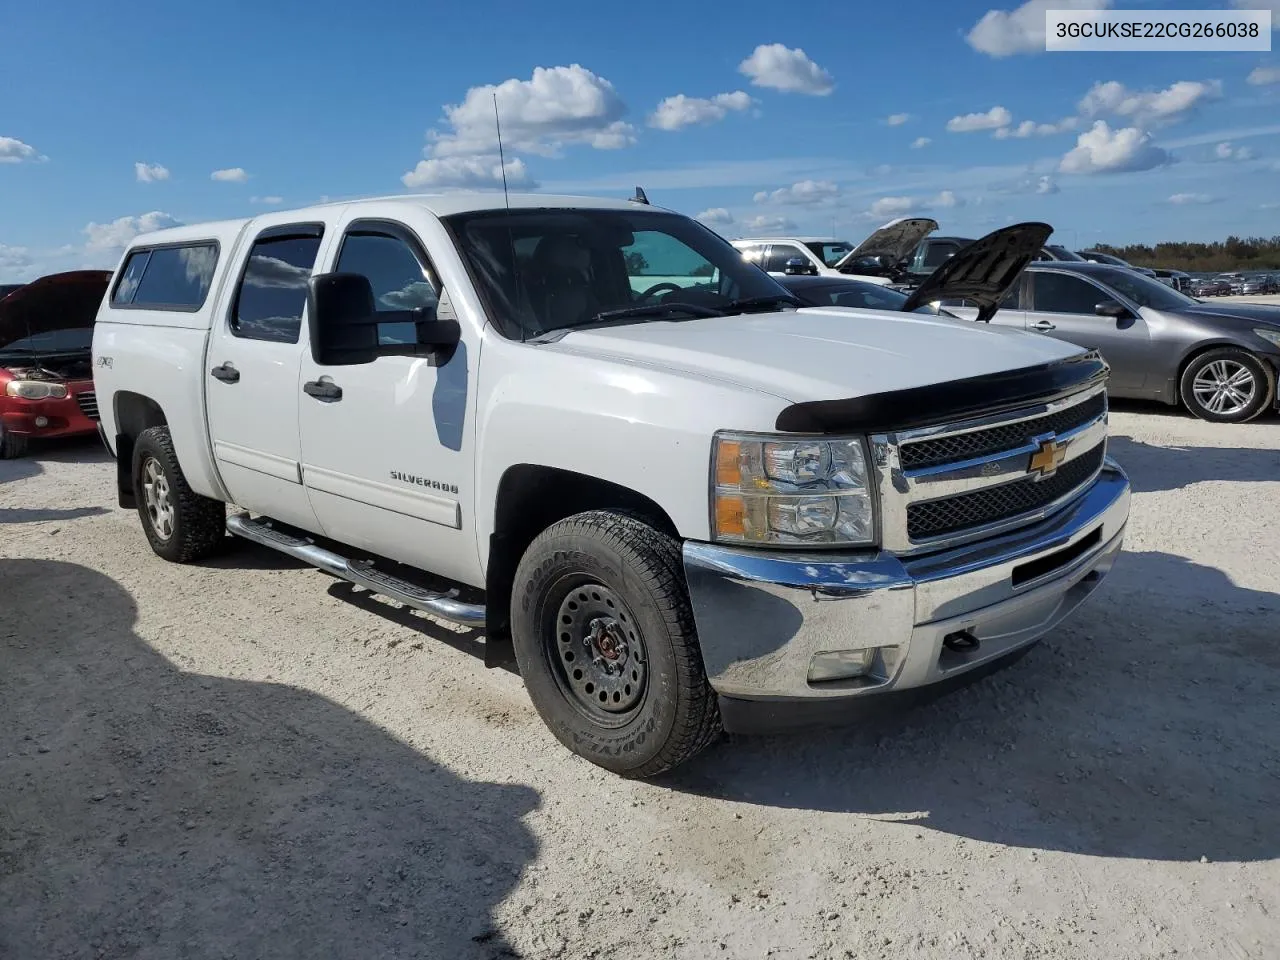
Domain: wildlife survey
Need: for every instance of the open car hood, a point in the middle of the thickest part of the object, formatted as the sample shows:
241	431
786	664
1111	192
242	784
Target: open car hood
983	271
59	301
894	241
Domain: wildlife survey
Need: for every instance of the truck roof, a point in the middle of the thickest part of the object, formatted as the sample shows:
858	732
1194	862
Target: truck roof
789	240
442	205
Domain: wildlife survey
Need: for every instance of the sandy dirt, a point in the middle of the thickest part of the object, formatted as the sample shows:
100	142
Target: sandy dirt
246	759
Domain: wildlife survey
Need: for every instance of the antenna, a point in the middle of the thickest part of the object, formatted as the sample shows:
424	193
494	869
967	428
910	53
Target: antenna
502	162
506	199
639	197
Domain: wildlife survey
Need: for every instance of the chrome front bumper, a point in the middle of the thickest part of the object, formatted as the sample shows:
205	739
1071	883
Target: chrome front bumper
763	617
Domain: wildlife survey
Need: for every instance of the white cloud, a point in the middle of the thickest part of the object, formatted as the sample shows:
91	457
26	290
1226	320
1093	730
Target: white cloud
15	151
778	67
1002	33
1264	76
555	107
763	224
1185	199
1149	107
230	175
1103	150
716	215
897	119
946	199
113	236
1046	185
893	206
804	192
680	111
993	119
1029	128
13	258
268	201
468	173
150	172
1225	151
1272	5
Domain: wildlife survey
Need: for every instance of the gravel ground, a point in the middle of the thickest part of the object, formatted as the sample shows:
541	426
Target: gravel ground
246	759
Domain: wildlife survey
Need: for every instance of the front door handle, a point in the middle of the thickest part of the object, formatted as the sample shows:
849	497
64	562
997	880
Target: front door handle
226	372
1044	325
325	390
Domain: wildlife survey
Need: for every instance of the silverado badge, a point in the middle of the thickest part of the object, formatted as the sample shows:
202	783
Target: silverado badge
1045	461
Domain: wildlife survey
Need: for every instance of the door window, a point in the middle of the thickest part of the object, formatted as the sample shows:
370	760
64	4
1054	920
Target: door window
273	292
936	254
780	253
397	277
1059	293
754	253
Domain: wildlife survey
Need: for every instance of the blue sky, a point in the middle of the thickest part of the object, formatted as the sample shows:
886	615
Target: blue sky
818	117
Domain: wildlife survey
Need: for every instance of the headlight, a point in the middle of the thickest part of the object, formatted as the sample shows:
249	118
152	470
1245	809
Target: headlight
772	490
34	389
1269	334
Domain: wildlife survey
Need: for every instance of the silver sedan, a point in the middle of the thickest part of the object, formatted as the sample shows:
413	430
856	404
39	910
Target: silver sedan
1219	359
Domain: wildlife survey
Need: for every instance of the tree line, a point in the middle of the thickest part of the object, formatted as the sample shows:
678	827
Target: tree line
1234	253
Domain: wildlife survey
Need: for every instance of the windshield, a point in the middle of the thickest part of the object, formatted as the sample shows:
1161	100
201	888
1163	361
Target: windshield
553	269
830	253
861	296
55	341
1145	291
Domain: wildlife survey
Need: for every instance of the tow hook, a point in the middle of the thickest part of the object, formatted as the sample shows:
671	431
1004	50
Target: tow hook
962	641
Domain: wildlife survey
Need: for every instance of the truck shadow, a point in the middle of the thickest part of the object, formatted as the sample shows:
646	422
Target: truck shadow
153	812
1144	728
1154	468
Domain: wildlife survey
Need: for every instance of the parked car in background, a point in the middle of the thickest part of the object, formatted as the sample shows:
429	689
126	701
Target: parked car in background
935	251
877	258
46	376
590	430
1055	251
1234	281
1097	256
1174	278
1209	287
1261	283
1219	360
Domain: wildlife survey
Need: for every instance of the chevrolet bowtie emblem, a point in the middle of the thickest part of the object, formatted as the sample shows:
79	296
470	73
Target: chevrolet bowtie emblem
1045	461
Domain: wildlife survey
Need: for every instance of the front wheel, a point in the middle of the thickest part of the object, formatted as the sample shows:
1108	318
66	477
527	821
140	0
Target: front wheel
180	525
605	640
1227	385
12	445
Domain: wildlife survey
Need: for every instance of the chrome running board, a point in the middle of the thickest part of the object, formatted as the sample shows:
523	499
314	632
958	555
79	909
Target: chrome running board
445	605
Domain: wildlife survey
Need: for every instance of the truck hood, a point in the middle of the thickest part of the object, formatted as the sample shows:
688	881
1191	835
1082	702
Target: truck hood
820	353
894	241
983	271
59	301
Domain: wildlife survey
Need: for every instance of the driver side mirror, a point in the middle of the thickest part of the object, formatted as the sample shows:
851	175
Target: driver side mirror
1111	308
798	267
345	325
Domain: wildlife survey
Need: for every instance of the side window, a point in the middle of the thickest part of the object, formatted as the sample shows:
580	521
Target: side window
167	278
397	276
655	257
936	254
753	254
273	291
1012	296
779	254
1059	293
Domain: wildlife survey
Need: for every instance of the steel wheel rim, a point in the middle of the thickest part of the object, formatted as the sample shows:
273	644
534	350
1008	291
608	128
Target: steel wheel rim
1225	387
598	654
158	498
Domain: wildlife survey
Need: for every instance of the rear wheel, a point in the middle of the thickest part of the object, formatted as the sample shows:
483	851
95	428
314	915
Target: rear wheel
180	525
605	640
12	445
1227	385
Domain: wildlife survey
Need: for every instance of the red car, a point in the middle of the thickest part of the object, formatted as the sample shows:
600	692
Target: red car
46	369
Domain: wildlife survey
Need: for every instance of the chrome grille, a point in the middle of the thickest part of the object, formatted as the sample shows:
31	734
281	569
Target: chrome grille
88	404
935	518
966	446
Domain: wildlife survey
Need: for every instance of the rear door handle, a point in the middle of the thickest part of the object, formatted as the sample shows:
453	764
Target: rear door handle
325	390
226	372
1044	325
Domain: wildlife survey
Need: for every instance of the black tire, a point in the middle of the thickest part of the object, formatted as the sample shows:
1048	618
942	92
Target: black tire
627	576
195	525
12	445
1203	367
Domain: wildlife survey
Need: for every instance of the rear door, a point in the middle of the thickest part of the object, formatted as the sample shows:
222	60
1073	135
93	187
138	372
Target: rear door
1062	306
779	253
251	384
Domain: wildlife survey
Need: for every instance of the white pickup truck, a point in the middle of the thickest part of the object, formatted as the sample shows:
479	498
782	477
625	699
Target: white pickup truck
686	503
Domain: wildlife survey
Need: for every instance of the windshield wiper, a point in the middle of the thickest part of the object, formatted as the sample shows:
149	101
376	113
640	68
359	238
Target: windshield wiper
745	304
657	310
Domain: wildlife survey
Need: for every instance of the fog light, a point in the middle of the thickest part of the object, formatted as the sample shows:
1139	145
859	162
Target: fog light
42	421
841	664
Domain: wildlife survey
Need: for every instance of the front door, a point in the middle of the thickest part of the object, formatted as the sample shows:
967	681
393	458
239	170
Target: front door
251	386
1063	306
387	450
